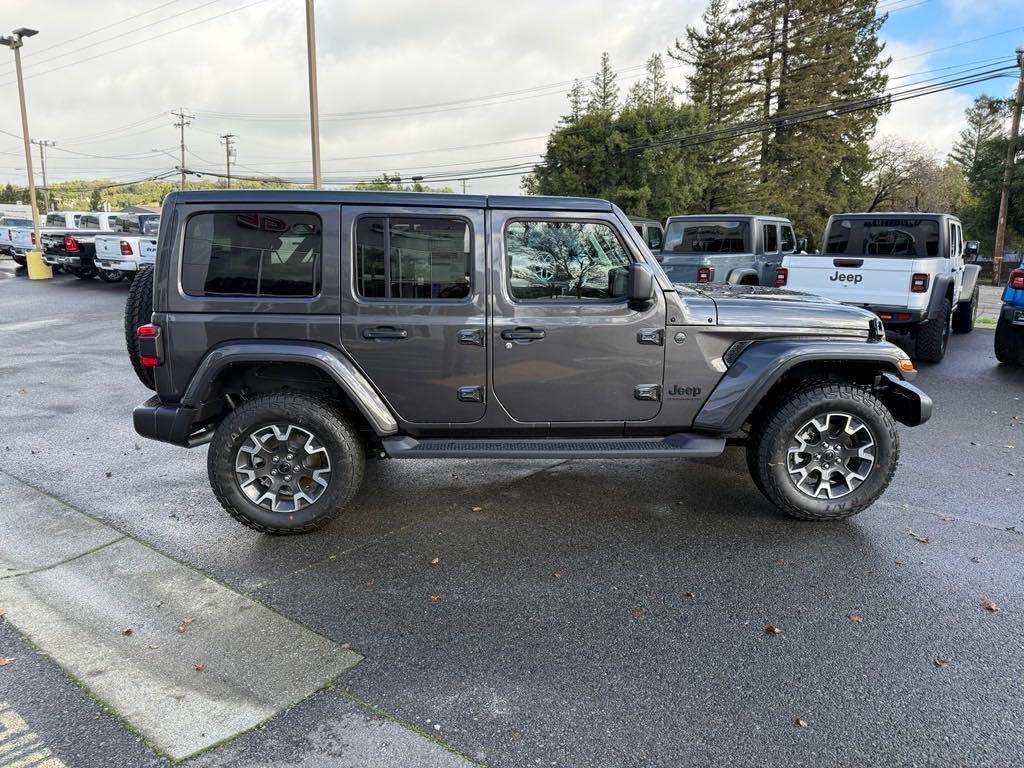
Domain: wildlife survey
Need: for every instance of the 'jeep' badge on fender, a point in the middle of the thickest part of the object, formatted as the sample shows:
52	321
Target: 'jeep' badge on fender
683	393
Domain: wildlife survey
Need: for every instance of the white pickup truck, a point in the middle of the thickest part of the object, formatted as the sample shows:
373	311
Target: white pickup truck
7	226
907	268
23	239
131	245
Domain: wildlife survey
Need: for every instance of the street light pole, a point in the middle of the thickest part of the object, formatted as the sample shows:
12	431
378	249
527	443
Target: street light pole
314	107
14	41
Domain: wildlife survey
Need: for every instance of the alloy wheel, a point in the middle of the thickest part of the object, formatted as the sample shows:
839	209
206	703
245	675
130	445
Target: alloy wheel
831	455
282	467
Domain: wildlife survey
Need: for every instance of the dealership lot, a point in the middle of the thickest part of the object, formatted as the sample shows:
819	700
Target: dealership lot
583	613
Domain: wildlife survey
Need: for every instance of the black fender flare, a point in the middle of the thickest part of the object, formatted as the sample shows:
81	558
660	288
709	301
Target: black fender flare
329	360
940	287
760	366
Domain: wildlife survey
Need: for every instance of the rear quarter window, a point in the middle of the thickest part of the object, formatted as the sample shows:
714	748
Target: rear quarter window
252	254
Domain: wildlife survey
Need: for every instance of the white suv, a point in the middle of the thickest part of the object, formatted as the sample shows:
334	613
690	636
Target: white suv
907	268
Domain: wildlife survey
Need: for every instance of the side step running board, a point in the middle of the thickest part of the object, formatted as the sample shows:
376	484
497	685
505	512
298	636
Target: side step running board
681	445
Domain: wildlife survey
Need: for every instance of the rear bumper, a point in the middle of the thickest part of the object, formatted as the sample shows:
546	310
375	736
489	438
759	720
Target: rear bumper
897	317
1012	314
172	424
109	264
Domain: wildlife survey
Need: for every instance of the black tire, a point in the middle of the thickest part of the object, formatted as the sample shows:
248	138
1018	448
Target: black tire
110	275
1009	342
966	311
325	422
84	273
138	310
21	261
933	336
768	451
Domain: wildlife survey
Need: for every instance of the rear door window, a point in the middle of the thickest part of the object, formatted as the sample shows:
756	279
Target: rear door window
883	237
771	238
707	237
654	238
788	239
252	254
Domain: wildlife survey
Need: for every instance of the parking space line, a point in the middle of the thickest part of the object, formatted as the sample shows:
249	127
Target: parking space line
21	747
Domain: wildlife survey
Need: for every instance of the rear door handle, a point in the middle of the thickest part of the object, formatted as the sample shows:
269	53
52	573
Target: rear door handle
523	334
385	333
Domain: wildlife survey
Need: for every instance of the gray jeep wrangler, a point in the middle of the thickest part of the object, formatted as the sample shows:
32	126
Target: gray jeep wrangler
300	333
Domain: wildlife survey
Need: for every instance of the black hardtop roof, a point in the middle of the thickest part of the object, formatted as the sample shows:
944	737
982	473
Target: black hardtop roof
895	215
725	216
429	199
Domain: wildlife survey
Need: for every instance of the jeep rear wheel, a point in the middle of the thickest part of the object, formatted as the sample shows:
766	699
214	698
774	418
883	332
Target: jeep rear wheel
933	336
1009	342
966	311
138	310
285	463
826	453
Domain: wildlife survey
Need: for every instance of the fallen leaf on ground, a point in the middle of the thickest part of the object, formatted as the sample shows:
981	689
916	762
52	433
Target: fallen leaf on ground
771	628
800	723
128	632
988	605
941	663
138	447
688	594
557	574
636	613
947	519
109	474
199	667
436	561
901	562
2	613
918	539
435	598
478	509
856	618
4	661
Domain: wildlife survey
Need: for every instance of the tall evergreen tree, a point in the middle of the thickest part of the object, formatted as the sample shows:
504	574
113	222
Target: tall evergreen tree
577	102
718	85
604	91
654	88
985	122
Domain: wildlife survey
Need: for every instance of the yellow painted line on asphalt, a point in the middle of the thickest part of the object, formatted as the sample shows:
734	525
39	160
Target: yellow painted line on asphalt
21	747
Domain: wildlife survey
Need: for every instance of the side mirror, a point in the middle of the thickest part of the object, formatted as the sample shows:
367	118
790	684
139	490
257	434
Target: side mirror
801	245
640	292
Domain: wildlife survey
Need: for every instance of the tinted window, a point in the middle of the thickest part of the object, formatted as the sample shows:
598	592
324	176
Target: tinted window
127	224
788	239
151	226
771	238
707	237
883	237
572	260
17	222
90	222
252	254
654	238
57	220
412	258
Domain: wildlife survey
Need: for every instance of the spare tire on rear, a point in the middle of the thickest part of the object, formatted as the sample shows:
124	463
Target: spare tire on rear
138	310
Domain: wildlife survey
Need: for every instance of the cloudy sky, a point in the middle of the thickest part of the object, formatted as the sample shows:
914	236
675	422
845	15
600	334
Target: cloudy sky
406	87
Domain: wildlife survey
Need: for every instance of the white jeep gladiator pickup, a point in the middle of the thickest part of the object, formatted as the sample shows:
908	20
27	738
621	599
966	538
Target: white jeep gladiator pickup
907	268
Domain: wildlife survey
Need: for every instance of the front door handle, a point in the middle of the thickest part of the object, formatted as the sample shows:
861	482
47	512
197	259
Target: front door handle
523	334
385	333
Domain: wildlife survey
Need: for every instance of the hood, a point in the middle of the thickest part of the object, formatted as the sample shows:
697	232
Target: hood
764	306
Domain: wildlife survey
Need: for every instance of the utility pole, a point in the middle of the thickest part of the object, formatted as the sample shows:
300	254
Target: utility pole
228	152
1011	156
463	186
183	120
314	107
42	144
37	269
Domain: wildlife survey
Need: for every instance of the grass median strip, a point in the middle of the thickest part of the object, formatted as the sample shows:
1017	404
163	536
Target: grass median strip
183	660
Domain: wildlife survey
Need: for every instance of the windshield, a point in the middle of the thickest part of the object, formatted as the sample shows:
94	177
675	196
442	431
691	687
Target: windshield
707	237
17	222
884	236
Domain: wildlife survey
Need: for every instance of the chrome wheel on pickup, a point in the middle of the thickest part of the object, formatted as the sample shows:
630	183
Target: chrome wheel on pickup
825	451
831	455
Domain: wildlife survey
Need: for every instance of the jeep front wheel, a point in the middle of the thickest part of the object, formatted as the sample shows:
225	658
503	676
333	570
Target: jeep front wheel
285	463
826	453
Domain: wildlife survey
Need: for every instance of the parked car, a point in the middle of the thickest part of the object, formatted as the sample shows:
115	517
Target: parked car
23	239
7	226
740	249
650	231
299	332
907	268
74	249
1009	340
130	247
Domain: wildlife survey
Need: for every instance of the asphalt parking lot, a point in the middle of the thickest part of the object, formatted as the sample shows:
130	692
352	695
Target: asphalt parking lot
585	613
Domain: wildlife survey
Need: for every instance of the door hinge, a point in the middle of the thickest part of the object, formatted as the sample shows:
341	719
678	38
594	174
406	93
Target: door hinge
647	392
654	336
472	336
471	394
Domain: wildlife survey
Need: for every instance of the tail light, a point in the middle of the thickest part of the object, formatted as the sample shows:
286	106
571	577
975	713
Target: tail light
898	316
126	248
148	337
70	244
1017	279
781	277
919	283
705	274
33	237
